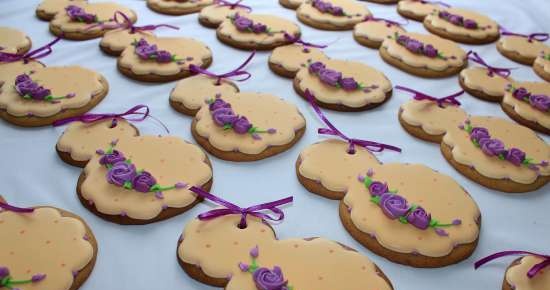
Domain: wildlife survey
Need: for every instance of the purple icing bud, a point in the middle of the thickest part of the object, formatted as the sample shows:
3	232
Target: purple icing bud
218	103
370	172
430	51
521	93
393	205
267	279
271	131
120	173
40	93
441	232
112	158
414	46
456	19
492	147
336	11
242	23
4	272
419	218
349	84
78	14
224	116
143	182
378	188
478	133
259	28
540	102
146	51
316	67
38	278
244	267
330	77
470	24
515	156
241	125
254	252
457	222
164	56
22	78
180	185
321	5
403	39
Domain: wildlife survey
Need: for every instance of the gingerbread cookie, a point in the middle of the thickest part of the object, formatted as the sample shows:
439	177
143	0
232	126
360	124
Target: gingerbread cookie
82	21
163	59
541	66
418	9
47	9
212	16
523	48
142	179
332	14
528	103
40	96
256	31
247	126
291	4
287	60
462	25
373	31
178	7
44	248
387	2
423	55
343	85
14	41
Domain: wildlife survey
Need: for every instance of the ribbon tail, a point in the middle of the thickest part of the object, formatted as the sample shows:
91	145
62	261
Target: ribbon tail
538	267
12	208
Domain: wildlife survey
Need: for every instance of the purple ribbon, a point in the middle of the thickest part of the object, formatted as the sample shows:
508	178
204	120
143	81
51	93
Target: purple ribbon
503	72
388	21
236	72
31	55
135	114
297	39
539	36
6	206
435	2
333	131
127	24
532	272
232	5
451	100
275	213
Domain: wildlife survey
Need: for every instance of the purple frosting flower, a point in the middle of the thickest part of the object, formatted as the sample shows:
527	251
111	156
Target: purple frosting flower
78	14
337	11
224	116
393	205
378	188
419	218
146	51
540	102
521	93
403	39
143	182
22	78
456	19
112	158
267	279
120	173
327	7
164	56
479	133
217	104
349	84
330	77
515	156
241	125
242	23
259	28
430	51
4	272
491	147
415	46
316	67
25	86
470	24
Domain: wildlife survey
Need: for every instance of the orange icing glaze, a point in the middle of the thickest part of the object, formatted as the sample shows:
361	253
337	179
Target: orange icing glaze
277	25
193	92
517	275
545	63
180	5
491	28
522	46
355	12
292	57
416	7
216	14
478	78
103	10
376	30
433	119
524	109
119	39
55	6
12	40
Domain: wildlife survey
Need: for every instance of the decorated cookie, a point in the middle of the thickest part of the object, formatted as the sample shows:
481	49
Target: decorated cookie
291	4
541	66
523	48
47	9
212	16
287	60
44	248
163	59
243	252
485	82
423	55
528	103
343	85
332	14
178	7
373	31
462	25
14	41
256	31
388	2
418	9
247	126
140	180
82	21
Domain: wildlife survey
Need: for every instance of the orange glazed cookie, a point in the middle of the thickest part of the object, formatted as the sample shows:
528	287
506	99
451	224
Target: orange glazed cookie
417	9
291	4
212	16
332	14
373	31
528	103
14	41
523	48
541	66
47	9
178	7
287	60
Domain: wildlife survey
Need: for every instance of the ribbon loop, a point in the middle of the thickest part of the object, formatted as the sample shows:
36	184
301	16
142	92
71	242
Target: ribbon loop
388	21
126	23
273	212
232	5
532	272
31	55
503	72
239	71
538	36
297	39
451	99
333	131
12	208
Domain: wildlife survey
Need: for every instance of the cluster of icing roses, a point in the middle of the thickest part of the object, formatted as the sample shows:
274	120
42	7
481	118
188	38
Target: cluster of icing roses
539	102
147	51
121	172
327	7
223	116
334	78
494	147
265	278
395	206
29	89
417	47
246	24
458	20
79	14
7	281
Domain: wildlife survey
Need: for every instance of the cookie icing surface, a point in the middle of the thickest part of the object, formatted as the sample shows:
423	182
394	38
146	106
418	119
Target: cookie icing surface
433	119
179	5
376	30
522	46
103	10
488	27
524	109
216	14
277	25
56	6
119	39
478	78
516	275
292	57
193	92
13	40
416	7
544	63
10	70
354	10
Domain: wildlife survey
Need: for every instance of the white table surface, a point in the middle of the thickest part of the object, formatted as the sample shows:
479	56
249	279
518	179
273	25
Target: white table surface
143	257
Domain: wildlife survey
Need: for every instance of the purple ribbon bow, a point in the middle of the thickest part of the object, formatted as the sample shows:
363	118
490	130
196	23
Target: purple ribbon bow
236	72
135	114
31	55
276	214
539	36
6	206
388	21
297	39
532	272
451	100
333	131
503	72
435	2
126	23
232	5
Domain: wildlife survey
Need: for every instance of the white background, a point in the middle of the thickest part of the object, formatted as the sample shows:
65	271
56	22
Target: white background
143	257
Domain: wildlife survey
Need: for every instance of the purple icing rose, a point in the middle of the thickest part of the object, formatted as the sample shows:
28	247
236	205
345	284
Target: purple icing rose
143	181
78	14
419	218
217	104
444	14
491	147
403	39
393	205
330	77
146	51
241	125
164	56
112	158
378	188
224	116
22	78
515	156
267	279
336	11
470	24
521	93
430	51
259	28
349	84
414	46
316	67
540	102
4	272
242	23
456	19
321	5
120	173
40	93
478	133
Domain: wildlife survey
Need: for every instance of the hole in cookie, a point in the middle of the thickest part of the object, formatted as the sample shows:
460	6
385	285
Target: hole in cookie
242	227
351	151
